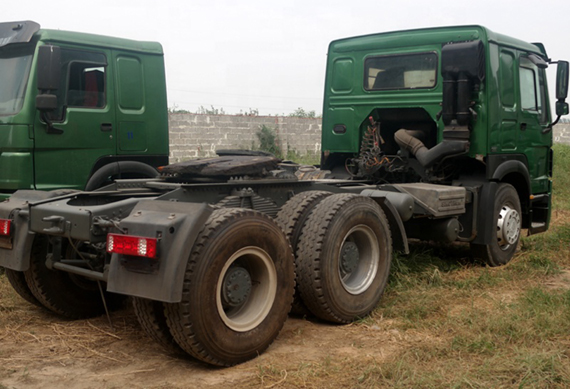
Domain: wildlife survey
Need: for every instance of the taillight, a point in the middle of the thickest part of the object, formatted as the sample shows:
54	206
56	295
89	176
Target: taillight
5	226
131	245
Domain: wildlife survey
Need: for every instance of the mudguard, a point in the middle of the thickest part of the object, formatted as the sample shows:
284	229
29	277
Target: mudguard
394	214
176	225
484	218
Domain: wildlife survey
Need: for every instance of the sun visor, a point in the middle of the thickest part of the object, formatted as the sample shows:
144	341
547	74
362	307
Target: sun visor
17	32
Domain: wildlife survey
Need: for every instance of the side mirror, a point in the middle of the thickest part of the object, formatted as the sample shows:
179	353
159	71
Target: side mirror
561	108
562	81
46	102
49	64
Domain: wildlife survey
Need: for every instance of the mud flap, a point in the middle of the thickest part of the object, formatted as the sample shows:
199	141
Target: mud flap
176	225
486	205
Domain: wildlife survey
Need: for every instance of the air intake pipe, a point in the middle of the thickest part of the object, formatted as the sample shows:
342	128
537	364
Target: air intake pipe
427	157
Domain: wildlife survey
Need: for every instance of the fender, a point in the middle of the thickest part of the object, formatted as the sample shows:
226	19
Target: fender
394	215
177	225
100	177
512	166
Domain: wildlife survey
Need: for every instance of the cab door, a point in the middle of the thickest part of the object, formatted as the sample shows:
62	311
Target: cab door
535	128
84	122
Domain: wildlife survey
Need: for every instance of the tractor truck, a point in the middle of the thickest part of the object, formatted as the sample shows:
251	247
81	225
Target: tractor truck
102	114
438	134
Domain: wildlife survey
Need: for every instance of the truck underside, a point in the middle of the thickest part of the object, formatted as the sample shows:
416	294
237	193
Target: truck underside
208	250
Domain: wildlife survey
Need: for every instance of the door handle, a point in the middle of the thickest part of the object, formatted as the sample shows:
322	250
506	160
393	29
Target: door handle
523	126
106	127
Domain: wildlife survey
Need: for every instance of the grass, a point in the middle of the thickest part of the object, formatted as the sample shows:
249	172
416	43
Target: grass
464	325
445	321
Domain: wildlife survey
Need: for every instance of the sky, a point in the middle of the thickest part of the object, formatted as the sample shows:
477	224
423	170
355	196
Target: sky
270	56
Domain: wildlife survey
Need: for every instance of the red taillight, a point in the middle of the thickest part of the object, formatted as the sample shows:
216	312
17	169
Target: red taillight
5	226
131	245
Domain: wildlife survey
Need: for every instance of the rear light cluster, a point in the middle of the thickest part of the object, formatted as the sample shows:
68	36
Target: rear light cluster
5	226
131	245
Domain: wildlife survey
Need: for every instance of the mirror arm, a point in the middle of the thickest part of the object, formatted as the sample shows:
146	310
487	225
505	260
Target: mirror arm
50	129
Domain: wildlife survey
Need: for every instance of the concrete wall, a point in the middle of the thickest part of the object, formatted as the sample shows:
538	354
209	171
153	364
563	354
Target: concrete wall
195	135
561	133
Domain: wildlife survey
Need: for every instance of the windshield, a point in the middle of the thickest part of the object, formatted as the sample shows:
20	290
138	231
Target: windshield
14	71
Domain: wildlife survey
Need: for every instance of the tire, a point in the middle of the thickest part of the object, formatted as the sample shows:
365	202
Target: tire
18	281
238	288
152	319
343	258
65	294
291	218
507	222
125	169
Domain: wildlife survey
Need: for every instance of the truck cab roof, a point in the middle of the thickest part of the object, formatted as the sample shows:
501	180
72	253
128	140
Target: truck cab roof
430	36
25	31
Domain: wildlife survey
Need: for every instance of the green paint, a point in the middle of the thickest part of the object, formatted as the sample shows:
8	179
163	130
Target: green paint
111	104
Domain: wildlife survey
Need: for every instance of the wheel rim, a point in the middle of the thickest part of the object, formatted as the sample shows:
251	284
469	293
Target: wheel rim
246	289
508	227
358	259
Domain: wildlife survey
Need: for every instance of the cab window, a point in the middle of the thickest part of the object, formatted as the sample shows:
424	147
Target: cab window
532	89
406	71
83	80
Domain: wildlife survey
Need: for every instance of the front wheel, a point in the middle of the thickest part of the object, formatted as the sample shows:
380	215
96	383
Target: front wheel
506	222
238	288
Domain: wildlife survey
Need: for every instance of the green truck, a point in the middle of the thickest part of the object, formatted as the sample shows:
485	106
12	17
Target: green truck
438	134
98	113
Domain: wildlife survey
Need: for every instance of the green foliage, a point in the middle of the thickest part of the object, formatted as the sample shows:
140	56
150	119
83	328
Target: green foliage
249	112
301	113
210	111
302	159
268	141
561	178
175	109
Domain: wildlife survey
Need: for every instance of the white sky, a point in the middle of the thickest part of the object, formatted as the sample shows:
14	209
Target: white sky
271	55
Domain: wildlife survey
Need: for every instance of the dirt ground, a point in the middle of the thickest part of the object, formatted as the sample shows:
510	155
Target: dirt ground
40	350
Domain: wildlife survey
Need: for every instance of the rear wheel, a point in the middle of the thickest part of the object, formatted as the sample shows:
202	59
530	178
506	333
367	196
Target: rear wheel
18	281
291	218
344	258
152	319
68	295
237	291
506	222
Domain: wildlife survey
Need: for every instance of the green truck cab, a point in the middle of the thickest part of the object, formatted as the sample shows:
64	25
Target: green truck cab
77	109
460	106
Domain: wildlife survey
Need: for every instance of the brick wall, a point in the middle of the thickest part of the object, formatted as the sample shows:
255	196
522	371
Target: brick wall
194	135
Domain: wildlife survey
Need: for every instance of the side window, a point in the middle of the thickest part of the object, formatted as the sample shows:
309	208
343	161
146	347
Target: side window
532	89
86	87
83	80
528	89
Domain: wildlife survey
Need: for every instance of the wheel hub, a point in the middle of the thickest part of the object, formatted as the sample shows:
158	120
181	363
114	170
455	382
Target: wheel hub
236	286
349	258
508	226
